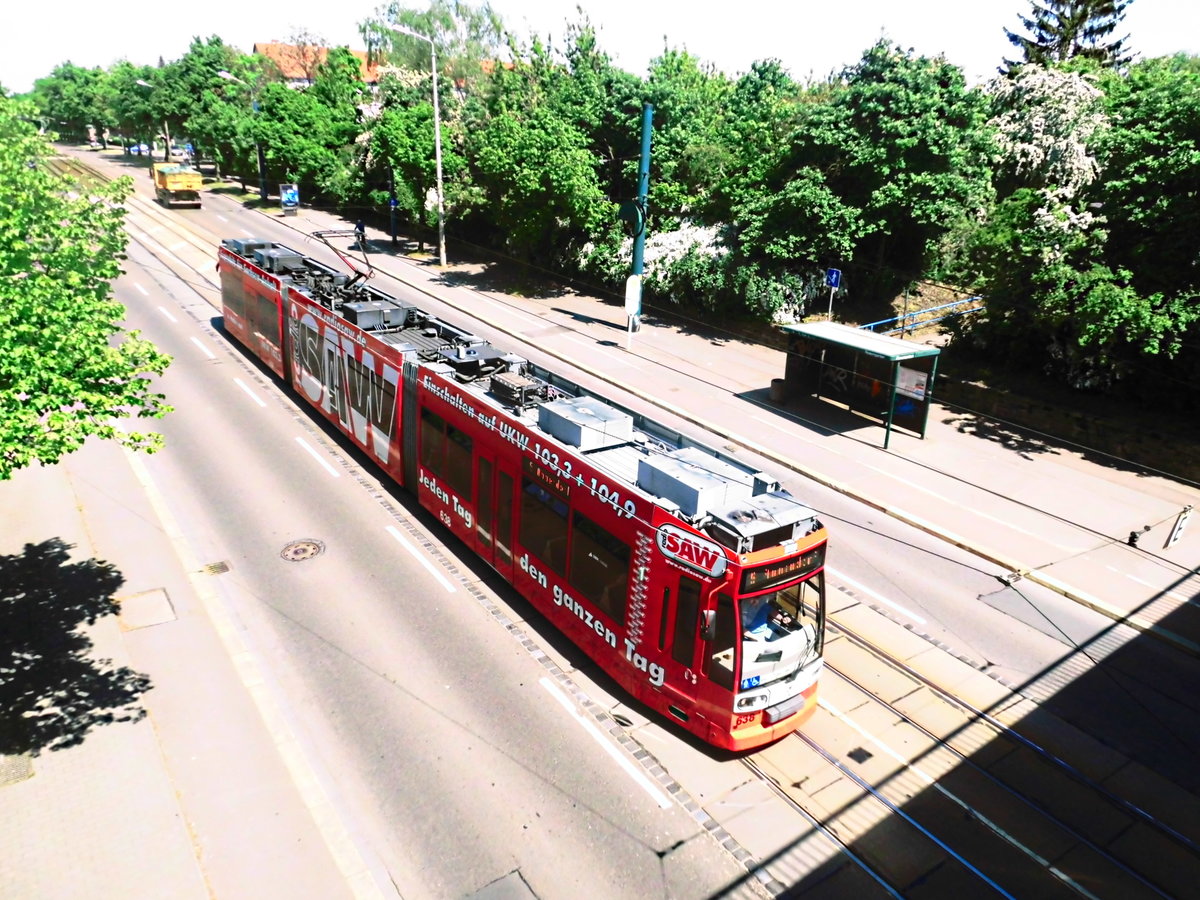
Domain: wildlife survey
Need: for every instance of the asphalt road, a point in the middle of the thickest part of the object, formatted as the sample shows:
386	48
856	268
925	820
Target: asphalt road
457	753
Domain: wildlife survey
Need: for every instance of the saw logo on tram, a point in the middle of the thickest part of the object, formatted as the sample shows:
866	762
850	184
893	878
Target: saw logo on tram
690	577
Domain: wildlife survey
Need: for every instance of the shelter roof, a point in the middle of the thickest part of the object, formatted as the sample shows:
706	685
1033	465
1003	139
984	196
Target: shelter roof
863	341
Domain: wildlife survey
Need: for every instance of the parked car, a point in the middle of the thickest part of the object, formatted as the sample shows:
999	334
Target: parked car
140	149
93	145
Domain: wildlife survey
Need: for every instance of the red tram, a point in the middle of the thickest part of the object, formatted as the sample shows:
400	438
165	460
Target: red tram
690	578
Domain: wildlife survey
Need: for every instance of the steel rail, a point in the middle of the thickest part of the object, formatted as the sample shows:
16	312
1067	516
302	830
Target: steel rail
1003	730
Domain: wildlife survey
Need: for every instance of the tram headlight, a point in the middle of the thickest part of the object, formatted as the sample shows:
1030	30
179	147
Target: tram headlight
751	702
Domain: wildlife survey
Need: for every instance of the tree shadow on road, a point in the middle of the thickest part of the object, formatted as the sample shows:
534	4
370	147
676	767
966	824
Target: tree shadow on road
52	690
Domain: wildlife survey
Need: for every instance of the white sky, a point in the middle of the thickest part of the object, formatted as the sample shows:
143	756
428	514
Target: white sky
811	38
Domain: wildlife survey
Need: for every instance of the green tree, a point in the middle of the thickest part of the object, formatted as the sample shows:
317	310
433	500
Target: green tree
1060	30
71	99
133	115
763	112
886	159
1054	302
401	146
179	87
604	102
691	101
538	174
68	368
1151	172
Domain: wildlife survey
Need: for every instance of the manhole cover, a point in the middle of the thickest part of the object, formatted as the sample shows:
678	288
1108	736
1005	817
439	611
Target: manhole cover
298	551
15	768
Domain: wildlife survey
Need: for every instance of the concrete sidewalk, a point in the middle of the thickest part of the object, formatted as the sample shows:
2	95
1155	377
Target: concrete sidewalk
195	799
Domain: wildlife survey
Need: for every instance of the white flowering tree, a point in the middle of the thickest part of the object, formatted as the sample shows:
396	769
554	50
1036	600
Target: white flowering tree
1058	294
1046	122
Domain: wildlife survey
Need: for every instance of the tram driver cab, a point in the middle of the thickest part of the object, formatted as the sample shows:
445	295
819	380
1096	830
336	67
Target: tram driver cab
779	632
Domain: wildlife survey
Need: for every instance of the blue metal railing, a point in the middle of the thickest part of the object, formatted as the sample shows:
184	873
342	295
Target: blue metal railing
908	320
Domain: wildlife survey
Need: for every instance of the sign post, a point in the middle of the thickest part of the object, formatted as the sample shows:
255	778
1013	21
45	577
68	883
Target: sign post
833	279
1177	531
289	198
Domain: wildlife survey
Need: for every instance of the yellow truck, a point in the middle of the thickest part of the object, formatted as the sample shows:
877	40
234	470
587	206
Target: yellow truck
176	185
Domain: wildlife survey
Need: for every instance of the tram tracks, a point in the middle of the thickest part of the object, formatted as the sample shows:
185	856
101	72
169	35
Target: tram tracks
923	788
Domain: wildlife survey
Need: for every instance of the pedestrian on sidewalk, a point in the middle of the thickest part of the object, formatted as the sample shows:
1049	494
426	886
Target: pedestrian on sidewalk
360	233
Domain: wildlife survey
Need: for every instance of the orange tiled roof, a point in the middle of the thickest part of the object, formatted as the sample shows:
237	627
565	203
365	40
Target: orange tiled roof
299	63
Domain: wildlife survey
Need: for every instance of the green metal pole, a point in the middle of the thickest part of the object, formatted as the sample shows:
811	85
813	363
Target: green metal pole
887	434
639	240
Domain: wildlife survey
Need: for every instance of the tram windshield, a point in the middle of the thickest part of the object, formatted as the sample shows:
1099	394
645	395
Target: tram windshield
782	630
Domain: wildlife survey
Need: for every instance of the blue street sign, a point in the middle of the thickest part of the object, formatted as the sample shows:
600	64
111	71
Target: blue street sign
833	278
393	203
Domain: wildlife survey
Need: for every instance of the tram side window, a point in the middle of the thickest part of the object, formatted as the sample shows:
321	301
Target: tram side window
232	292
446	452
544	525
307	350
433	437
458	461
687	609
599	567
266	321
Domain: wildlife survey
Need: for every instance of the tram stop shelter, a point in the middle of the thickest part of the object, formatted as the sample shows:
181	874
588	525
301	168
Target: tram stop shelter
884	378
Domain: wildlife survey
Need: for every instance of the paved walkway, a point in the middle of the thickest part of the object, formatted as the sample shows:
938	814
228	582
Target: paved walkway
198	798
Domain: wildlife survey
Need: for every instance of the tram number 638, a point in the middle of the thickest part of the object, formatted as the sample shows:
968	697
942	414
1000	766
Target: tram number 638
745	718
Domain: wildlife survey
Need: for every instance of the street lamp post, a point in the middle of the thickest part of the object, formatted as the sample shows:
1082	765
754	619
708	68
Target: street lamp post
166	131
262	163
437	140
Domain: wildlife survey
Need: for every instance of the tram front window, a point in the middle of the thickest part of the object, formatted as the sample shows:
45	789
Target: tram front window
781	631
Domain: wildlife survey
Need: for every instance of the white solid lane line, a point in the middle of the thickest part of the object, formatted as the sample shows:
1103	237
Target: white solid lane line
420	557
859	586
167	314
204	349
249	393
631	770
317	456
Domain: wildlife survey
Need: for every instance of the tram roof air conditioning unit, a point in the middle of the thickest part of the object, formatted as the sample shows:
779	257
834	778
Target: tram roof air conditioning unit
278	261
697	481
244	247
586	423
514	389
367	314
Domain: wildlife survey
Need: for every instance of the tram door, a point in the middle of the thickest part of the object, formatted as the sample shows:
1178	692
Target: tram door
682	646
495	487
698	633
